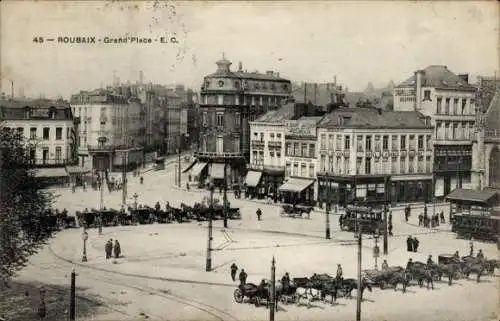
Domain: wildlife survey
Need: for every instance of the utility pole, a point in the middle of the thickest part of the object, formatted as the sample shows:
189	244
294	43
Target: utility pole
179	163
360	244
328	207
209	245
273	290
124	178
386	208
72	296
225	195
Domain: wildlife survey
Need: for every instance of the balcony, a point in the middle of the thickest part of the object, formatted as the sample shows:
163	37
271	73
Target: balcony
276	144
265	167
219	155
257	144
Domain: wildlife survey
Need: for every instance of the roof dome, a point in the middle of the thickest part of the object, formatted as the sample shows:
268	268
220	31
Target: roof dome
223	64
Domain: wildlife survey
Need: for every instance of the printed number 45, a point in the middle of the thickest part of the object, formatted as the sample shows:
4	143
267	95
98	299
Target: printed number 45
38	39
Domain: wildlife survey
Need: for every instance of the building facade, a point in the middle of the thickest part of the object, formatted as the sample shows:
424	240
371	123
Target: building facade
450	101
47	125
228	101
365	154
112	129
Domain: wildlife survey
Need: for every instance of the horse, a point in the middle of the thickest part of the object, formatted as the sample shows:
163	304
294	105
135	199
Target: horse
351	284
477	268
491	265
330	289
305	289
424	274
402	278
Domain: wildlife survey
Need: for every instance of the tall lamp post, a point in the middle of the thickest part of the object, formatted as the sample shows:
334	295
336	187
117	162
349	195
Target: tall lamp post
85	237
225	195
135	196
358	298
327	222
208	267
273	290
376	249
387	189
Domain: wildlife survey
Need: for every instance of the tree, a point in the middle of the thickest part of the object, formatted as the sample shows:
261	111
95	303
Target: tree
22	204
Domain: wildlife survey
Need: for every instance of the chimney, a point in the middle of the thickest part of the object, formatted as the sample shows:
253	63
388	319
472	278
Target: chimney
464	77
418	89
240	66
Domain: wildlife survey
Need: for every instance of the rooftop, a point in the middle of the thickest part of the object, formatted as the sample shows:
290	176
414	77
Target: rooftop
355	117
37	108
279	115
318	94
438	76
492	116
462	194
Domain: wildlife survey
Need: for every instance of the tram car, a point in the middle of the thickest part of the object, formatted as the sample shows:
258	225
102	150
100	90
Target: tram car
371	220
481	227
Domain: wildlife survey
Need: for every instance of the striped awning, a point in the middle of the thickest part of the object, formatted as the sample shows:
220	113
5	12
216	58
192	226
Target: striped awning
217	171
252	179
51	172
296	185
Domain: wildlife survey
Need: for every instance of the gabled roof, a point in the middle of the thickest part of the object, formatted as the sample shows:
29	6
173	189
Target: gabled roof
355	117
279	115
492	116
462	194
438	76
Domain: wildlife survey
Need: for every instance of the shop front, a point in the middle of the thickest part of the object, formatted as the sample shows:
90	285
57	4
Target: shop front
297	191
411	188
253	188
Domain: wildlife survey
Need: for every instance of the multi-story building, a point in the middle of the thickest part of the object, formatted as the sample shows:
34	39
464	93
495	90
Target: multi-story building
363	152
228	101
112	129
449	100
49	128
486	143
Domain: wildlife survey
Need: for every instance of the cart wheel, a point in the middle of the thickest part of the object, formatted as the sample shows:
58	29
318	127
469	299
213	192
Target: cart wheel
238	296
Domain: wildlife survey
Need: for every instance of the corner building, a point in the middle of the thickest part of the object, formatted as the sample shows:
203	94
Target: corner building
228	101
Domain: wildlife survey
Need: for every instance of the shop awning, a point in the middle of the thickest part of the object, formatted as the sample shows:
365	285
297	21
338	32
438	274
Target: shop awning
253	178
50	172
196	170
296	185
77	170
411	177
462	194
217	171
190	166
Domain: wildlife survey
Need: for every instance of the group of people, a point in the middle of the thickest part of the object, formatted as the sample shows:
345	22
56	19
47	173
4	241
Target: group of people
412	244
112	250
430	221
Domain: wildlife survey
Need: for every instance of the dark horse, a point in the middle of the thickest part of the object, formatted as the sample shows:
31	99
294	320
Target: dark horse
351	284
421	274
402	278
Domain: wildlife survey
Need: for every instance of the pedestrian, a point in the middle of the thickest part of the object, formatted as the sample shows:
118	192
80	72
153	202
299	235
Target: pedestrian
117	249
441	215
409	244
142	180
385	265
420	220
259	214
425	209
390	228
84	186
407	212
390	216
340	273
234	270
471	253
415	244
108	248
243	277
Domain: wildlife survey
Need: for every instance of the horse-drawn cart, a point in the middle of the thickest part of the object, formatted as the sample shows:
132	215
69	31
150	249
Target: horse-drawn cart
295	210
381	278
252	292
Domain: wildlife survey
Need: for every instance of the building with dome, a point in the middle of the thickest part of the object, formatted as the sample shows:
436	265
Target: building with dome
228	101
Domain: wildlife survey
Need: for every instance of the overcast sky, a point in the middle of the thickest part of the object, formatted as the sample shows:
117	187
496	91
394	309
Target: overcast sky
305	41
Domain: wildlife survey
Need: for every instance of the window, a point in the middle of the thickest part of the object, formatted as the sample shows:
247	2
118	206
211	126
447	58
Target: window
455	106
311	170
20	131
237	144
331	165
346	165
368	143
271	154
331	142
339	142
278	155
455	131
278	135
402	165
368	165
421	164
45	155
323	141
412	142
403	142
464	104
303	150
377	143
411	164
428	164
385	165
261	137
376	167
32	155
312	150
220	119
303	170
427	95
439	105
58	153
429	145
394	142
385	142
205	119
359	143
322	164
288	149
394	165
288	169
447	106
420	142
447	131
46	133
359	161
296	149
58	133
347	142
237	120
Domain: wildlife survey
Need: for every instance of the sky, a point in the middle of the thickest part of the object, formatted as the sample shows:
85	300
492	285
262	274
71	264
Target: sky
358	42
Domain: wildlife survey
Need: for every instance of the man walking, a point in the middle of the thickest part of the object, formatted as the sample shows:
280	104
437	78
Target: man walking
117	249
259	213
409	244
243	277
234	270
108	248
415	244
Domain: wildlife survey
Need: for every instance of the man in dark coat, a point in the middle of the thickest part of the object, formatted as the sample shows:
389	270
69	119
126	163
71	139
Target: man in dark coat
108	248
390	217
243	277
390	228
234	270
259	214
409	244
409	265
415	244
117	249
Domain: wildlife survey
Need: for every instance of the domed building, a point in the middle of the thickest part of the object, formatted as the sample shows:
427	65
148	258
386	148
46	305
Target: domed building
228	101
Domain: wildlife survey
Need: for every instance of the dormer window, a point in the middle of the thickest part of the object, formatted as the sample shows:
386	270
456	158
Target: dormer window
427	95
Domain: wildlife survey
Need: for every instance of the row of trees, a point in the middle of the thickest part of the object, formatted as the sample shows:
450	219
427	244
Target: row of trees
23	203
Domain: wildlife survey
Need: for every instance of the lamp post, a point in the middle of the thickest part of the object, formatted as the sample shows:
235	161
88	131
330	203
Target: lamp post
358	293
85	237
376	250
387	190
225	195
327	223
42	309
273	290
72	298
208	267
135	196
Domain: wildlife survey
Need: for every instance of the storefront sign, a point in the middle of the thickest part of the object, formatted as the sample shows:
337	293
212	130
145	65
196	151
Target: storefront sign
300	128
299	159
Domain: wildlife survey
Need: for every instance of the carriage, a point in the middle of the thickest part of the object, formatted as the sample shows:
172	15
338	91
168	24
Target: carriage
108	216
370	218
252	292
295	210
143	215
163	217
124	218
381	278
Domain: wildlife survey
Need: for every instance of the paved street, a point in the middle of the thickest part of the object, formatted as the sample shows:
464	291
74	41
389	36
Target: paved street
162	274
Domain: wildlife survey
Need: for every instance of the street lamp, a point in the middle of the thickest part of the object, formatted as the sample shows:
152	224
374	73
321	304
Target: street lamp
211	187
85	237
135	196
376	250
42	309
